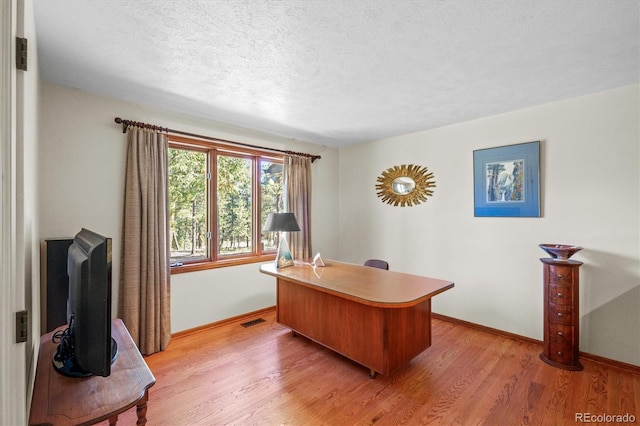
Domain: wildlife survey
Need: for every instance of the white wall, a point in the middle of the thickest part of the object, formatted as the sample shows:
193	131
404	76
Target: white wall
590	188
82	175
590	196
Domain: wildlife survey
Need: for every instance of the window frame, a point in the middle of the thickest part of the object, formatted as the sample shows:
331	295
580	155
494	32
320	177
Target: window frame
212	149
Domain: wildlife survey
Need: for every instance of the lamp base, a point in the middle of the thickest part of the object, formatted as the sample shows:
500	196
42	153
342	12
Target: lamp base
283	256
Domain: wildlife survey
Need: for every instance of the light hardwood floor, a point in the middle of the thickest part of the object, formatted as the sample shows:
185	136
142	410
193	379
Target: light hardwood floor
262	375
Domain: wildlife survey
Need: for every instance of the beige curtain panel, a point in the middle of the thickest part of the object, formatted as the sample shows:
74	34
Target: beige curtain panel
297	183
144	296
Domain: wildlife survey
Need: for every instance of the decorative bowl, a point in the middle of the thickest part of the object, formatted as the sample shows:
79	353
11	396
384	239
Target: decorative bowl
560	251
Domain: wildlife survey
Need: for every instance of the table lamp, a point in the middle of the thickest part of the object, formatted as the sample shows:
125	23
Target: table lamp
282	222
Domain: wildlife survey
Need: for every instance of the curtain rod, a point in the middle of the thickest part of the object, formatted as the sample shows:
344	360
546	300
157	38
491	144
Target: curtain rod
127	123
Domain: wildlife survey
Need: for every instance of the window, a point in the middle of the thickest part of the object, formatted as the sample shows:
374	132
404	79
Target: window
219	200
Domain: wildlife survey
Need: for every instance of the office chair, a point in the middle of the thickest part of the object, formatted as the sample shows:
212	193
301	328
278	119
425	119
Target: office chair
377	263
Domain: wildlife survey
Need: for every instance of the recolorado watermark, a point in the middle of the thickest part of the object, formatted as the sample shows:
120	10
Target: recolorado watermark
604	418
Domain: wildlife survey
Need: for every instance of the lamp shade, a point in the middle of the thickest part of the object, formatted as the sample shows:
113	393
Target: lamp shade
281	222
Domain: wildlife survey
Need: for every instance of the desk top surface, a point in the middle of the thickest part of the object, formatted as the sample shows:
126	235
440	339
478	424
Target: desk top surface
371	286
62	400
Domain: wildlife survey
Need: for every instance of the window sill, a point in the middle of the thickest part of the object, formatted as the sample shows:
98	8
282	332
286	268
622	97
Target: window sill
201	266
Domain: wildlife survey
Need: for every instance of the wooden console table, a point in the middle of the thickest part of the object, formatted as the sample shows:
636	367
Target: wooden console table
380	319
61	400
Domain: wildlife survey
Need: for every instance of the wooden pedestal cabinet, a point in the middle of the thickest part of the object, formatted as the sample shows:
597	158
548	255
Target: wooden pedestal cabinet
561	316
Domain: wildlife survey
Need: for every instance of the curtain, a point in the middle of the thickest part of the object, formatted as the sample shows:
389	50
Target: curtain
144	296
297	183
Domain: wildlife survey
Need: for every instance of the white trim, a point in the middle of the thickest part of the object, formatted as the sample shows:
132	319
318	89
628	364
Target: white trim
11	402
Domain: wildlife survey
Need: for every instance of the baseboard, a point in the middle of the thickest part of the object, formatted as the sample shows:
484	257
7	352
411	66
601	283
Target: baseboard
610	362
251	315
486	329
585	355
239	318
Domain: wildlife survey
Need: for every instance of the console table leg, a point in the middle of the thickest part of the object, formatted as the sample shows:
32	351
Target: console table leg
141	409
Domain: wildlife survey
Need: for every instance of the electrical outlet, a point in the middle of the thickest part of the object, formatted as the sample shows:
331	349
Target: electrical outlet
22	326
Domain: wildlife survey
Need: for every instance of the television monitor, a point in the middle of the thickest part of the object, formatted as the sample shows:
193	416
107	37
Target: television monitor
85	346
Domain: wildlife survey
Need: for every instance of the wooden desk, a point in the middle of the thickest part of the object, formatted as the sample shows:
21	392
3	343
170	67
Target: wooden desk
61	400
380	319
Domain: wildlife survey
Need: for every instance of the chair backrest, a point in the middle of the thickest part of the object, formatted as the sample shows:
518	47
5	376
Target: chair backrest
377	263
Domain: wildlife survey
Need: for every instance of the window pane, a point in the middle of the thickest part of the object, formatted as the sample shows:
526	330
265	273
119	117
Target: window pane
188	204
234	205
271	180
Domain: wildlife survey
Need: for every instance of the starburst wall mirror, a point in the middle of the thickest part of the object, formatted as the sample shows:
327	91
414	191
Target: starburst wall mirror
405	185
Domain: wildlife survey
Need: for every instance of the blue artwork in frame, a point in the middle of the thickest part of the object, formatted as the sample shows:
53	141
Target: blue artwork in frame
506	181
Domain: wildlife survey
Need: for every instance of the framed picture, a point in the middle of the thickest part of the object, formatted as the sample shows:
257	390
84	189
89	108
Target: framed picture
506	181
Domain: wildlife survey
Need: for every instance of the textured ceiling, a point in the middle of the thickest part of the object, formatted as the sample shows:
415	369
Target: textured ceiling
339	72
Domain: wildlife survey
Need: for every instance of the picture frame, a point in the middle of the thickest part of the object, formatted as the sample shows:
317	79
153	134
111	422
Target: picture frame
506	181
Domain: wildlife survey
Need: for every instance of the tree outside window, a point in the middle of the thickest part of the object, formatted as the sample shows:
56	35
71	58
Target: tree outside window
224	197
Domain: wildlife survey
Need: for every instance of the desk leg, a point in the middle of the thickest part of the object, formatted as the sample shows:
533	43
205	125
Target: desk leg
141	409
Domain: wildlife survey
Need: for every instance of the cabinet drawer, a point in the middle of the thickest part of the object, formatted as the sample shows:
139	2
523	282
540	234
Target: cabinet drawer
561	314
560	295
561	276
562	353
561	333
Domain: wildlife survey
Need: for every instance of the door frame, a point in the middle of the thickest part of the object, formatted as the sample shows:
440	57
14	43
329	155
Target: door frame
12	354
